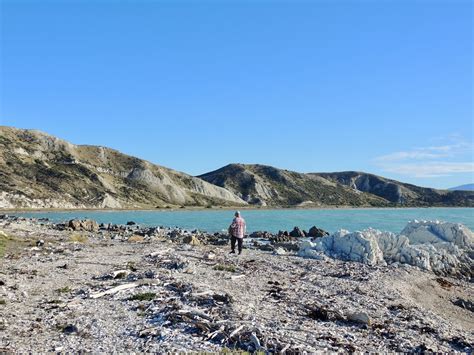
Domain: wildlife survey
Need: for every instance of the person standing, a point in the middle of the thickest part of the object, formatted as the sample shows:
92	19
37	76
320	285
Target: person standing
237	232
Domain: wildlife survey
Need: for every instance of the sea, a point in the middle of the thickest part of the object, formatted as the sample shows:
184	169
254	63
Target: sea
331	220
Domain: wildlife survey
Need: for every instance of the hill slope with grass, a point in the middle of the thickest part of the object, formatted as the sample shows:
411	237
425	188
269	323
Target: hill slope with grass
269	186
38	170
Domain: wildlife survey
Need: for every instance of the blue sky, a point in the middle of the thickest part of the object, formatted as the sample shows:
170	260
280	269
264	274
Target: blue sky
377	86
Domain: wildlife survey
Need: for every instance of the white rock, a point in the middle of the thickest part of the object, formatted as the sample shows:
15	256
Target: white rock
437	246
279	251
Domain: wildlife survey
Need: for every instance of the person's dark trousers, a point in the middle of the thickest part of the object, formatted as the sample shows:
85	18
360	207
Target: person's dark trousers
240	242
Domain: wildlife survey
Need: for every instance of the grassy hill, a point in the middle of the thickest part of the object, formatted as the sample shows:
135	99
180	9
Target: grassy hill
269	186
39	170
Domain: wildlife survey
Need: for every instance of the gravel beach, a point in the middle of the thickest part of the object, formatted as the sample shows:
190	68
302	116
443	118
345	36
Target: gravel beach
133	289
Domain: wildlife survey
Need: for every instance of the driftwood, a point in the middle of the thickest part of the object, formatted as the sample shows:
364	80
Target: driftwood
123	287
194	312
113	290
255	341
235	332
120	274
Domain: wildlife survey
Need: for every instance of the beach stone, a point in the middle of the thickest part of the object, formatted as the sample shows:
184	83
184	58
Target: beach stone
297	233
359	317
315	232
131	223
279	251
191	239
70	329
83	225
261	234
288	246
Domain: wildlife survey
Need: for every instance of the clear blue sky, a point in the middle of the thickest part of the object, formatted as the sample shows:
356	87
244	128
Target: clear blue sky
378	86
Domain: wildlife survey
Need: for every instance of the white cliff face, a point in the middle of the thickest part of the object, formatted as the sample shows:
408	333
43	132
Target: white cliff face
441	247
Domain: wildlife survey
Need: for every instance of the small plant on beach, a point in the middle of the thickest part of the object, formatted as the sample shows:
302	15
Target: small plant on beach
12	244
79	238
136	239
65	289
147	296
223	267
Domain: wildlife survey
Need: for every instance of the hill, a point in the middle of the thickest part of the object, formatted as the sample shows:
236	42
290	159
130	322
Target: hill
269	186
466	187
38	170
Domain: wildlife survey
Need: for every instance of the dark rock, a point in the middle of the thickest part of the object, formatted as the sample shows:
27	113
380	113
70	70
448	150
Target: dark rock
260	234
297	233
265	247
131	223
466	304
60	226
70	329
318	313
316	232
39	243
288	246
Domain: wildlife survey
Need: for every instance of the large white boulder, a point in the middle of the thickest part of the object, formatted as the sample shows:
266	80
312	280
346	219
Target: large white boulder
444	248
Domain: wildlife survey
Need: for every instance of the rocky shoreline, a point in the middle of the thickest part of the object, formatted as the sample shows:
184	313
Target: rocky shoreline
80	286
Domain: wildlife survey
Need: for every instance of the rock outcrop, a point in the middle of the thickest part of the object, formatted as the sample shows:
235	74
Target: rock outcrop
444	248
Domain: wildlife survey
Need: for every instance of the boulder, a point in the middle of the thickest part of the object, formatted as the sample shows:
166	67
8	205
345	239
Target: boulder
315	232
279	251
261	234
443	248
87	225
131	223
288	246
297	233
191	239
359	317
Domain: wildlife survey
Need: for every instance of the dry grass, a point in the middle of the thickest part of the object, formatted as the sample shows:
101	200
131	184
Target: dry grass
11	244
79	238
136	239
224	267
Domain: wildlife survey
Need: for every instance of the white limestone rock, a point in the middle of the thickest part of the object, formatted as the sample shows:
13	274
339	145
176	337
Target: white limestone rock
444	248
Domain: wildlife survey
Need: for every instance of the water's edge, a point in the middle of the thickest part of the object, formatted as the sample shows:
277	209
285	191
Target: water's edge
272	220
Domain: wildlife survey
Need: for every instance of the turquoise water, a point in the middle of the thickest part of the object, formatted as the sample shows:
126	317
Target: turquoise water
392	220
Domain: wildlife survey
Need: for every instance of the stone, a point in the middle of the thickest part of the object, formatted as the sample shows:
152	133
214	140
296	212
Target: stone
315	232
288	246
70	329
358	317
191	239
131	223
87	225
39	243
279	251
210	255
261	235
297	233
